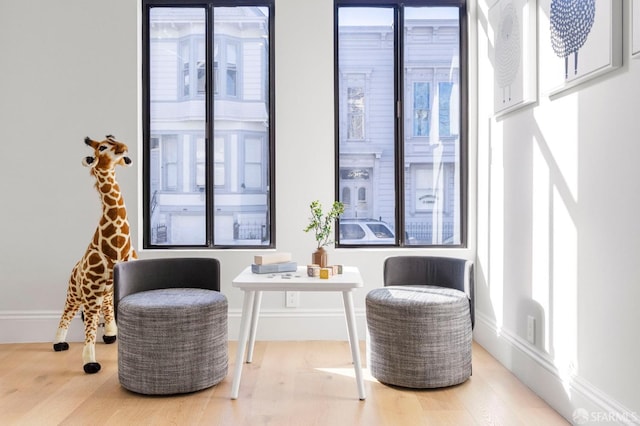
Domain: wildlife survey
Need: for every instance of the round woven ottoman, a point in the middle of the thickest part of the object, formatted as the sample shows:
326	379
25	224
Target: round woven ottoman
172	340
419	336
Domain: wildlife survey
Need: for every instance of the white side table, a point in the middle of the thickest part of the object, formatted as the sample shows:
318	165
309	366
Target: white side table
254	284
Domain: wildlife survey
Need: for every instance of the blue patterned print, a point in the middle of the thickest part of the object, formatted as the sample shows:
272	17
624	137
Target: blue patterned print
571	22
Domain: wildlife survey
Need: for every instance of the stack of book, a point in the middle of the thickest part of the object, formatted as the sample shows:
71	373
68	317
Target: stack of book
272	263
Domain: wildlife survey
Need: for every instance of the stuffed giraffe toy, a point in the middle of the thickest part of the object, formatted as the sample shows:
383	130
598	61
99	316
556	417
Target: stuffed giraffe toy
91	281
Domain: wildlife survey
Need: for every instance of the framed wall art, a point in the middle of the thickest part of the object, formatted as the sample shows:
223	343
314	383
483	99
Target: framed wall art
513	24
585	37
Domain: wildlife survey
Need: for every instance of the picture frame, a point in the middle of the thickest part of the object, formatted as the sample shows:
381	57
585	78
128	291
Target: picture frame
579	56
514	37
635	29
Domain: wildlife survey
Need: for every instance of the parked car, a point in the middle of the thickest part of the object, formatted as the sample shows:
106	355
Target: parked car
365	232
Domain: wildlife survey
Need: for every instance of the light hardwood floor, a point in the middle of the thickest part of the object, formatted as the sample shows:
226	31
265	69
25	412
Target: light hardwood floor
288	383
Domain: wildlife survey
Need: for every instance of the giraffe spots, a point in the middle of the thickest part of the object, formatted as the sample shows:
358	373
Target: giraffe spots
90	261
111	214
125	249
108	251
94	257
94	276
109	201
110	229
95	263
118	240
115	213
90	311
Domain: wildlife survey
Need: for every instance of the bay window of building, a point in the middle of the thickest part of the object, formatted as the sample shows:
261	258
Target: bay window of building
400	121
355	111
208	109
232	69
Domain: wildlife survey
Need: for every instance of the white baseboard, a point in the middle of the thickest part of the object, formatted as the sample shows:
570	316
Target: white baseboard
573	397
35	327
274	324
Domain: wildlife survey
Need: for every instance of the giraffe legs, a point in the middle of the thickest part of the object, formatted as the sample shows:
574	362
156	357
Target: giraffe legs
59	342
91	317
71	307
91	308
110	328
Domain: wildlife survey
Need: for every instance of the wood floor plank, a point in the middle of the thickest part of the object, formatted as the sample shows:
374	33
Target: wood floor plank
288	383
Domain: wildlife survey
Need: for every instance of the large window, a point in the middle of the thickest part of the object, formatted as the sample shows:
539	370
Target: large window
401	121
208	114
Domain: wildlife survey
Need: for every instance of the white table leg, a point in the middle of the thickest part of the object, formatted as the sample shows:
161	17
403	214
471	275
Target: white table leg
254	324
247	306
353	340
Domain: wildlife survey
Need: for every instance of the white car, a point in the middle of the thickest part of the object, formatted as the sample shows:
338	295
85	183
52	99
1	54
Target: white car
365	232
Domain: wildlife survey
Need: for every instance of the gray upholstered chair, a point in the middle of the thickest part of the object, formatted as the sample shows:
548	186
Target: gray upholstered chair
172	325
420	323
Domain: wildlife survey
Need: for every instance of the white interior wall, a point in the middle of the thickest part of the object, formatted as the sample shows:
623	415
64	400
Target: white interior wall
557	234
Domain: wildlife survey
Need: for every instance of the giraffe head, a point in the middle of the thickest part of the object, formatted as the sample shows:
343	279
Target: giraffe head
106	154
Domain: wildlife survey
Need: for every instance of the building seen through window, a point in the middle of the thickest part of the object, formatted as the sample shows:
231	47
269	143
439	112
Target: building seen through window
400	142
207	131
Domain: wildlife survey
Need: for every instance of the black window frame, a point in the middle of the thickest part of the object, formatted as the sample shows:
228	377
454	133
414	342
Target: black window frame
399	5
208	6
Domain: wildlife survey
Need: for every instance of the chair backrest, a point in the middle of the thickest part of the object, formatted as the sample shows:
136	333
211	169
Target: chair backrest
150	274
431	270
